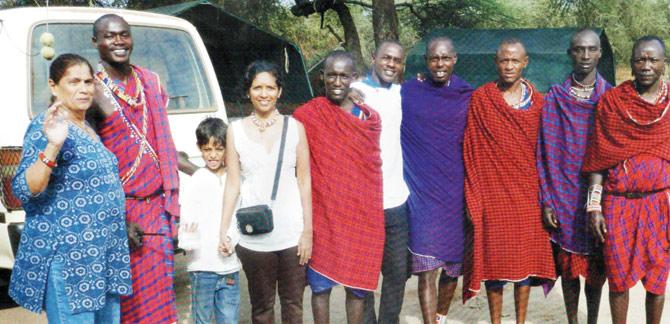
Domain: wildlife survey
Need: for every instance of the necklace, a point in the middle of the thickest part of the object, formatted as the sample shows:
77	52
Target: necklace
262	125
526	96
580	91
581	85
662	96
121	94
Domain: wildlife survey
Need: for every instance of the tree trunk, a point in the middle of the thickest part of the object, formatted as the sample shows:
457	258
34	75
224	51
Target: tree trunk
351	40
384	21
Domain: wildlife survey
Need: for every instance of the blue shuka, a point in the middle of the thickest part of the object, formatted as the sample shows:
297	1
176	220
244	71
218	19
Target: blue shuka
432	143
566	124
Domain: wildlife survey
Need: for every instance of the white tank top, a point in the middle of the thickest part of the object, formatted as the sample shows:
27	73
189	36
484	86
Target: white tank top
257	177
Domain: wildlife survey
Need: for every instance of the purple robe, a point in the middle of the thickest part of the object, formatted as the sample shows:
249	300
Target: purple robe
566	123
433	122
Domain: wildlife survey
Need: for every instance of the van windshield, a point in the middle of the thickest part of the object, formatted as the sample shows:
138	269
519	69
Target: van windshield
168	52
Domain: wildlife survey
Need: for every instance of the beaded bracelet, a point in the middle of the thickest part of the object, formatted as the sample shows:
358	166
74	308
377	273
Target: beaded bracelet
594	197
51	164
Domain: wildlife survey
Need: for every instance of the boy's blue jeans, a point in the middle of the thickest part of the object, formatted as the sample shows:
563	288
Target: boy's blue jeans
56	303
215	293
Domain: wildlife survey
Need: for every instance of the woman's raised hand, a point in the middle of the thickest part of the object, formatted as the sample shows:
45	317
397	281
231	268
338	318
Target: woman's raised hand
55	124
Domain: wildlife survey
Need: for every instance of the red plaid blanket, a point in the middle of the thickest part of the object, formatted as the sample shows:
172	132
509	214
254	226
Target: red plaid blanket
501	192
617	137
348	217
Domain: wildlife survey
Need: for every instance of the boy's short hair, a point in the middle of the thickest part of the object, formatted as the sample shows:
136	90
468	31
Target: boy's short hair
211	127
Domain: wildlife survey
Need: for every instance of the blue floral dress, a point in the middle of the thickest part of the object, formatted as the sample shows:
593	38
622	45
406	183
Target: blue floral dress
79	219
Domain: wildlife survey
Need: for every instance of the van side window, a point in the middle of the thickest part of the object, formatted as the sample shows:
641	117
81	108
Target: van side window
168	52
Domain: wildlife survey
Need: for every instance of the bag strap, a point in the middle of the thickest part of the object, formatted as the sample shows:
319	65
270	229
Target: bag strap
280	159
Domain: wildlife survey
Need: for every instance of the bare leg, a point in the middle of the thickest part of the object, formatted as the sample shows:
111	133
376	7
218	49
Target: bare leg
654	307
428	295
521	294
571	289
446	293
593	294
619	306
321	307
495	297
354	307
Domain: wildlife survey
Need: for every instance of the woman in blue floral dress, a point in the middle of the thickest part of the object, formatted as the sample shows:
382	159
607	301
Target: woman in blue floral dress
73	257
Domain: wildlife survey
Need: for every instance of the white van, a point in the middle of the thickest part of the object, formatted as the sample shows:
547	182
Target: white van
167	45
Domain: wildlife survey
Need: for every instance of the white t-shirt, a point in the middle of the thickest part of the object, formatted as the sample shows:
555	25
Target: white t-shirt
202	202
388	104
257	177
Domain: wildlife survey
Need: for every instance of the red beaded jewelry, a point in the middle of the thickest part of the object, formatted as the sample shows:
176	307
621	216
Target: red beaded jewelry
51	164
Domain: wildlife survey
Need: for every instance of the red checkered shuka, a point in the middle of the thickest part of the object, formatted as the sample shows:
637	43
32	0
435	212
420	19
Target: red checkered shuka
616	136
571	266
348	218
152	267
637	244
502	192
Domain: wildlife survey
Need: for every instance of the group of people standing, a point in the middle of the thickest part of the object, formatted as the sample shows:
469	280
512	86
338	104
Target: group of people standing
500	184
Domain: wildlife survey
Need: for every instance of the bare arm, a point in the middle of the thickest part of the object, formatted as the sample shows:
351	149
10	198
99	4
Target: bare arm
231	192
597	221
185	165
305	187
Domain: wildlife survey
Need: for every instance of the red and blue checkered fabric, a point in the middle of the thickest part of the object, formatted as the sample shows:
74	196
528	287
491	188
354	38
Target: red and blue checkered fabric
616	136
502	192
636	246
571	266
348	217
153	299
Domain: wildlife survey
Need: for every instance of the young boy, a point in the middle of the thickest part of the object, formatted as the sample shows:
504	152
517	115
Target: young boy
214	277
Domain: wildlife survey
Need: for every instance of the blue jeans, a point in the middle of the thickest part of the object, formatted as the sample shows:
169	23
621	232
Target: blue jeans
56	303
212	292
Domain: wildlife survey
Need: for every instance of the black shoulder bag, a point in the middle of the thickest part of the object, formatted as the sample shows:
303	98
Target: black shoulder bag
254	220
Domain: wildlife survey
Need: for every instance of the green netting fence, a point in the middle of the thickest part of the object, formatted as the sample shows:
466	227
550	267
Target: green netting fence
547	50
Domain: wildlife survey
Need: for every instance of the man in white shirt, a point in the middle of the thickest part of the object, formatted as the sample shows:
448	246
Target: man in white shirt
382	93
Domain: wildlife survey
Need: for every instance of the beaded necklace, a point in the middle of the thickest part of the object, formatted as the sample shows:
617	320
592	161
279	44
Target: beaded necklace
135	133
662	96
526	95
580	91
121	94
263	125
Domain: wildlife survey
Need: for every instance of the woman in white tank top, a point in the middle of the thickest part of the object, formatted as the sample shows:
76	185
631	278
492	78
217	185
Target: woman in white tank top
275	259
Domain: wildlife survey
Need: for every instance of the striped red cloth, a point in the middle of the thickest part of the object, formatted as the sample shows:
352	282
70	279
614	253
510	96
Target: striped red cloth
617	137
152	269
637	244
502	192
348	218
571	266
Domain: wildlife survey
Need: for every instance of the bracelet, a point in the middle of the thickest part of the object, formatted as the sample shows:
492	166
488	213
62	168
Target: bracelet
51	164
594	208
593	198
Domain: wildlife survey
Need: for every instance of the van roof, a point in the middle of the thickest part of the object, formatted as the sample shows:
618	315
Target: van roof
33	15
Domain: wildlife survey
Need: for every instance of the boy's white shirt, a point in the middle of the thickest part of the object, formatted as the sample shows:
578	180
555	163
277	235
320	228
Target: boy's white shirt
202	202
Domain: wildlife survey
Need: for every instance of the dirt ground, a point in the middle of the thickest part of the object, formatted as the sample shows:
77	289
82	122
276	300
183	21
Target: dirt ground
540	310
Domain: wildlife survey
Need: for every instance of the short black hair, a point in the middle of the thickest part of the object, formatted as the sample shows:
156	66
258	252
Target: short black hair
340	54
211	127
259	66
436	39
645	39
98	22
583	31
385	43
511	41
